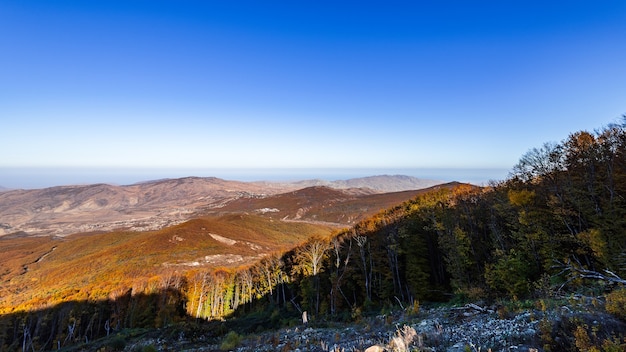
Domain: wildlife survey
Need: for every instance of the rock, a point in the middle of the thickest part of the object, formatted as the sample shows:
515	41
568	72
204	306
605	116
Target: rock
530	332
375	348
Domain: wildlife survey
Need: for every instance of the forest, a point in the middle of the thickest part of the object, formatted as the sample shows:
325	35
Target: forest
556	225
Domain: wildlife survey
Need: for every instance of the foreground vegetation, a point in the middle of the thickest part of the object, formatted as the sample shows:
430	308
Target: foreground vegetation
556	226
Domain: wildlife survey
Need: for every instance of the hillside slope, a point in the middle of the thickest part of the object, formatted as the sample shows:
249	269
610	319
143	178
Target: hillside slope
42	270
342	207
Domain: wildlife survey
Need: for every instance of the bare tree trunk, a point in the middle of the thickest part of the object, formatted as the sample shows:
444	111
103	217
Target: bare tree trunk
361	241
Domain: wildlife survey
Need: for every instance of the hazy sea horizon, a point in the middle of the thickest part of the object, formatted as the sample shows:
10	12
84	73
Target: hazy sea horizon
42	177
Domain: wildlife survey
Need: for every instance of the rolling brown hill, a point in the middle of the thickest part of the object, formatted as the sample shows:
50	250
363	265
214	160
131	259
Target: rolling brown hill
153	205
339	207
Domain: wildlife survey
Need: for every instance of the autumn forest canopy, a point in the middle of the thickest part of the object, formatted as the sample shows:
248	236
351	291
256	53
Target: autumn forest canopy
556	225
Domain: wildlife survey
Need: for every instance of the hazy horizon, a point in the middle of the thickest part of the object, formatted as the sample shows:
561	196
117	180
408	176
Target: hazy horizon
32	178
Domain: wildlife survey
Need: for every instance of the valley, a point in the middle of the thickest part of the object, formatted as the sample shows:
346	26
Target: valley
64	210
153	205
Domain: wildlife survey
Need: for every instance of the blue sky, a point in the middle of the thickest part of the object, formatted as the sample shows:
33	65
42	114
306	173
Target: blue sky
385	85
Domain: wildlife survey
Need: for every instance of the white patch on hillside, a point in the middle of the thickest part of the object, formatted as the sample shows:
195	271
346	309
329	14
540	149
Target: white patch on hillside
231	242
267	210
223	239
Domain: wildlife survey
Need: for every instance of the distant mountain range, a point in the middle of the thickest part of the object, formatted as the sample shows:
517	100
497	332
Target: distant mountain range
157	204
381	183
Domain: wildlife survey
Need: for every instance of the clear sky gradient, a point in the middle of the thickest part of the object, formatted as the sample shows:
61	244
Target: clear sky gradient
382	85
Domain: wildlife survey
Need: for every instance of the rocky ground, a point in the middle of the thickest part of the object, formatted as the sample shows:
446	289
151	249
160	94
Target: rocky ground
471	327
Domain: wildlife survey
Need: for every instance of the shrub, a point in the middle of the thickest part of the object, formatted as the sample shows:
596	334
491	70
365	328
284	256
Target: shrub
414	308
149	348
613	345
582	340
510	274
231	341
117	343
616	303
545	333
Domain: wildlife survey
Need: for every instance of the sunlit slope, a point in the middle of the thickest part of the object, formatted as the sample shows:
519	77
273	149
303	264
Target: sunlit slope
17	253
40	271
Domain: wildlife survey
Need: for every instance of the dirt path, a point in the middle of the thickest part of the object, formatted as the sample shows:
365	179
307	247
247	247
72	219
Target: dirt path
25	266
45	255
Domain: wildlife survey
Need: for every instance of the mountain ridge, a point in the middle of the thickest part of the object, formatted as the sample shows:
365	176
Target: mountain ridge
323	204
380	183
149	205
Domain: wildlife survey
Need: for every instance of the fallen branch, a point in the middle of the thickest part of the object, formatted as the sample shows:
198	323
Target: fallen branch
578	272
470	306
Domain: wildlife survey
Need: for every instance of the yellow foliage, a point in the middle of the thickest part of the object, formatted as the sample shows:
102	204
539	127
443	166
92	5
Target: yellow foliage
616	303
521	198
594	239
